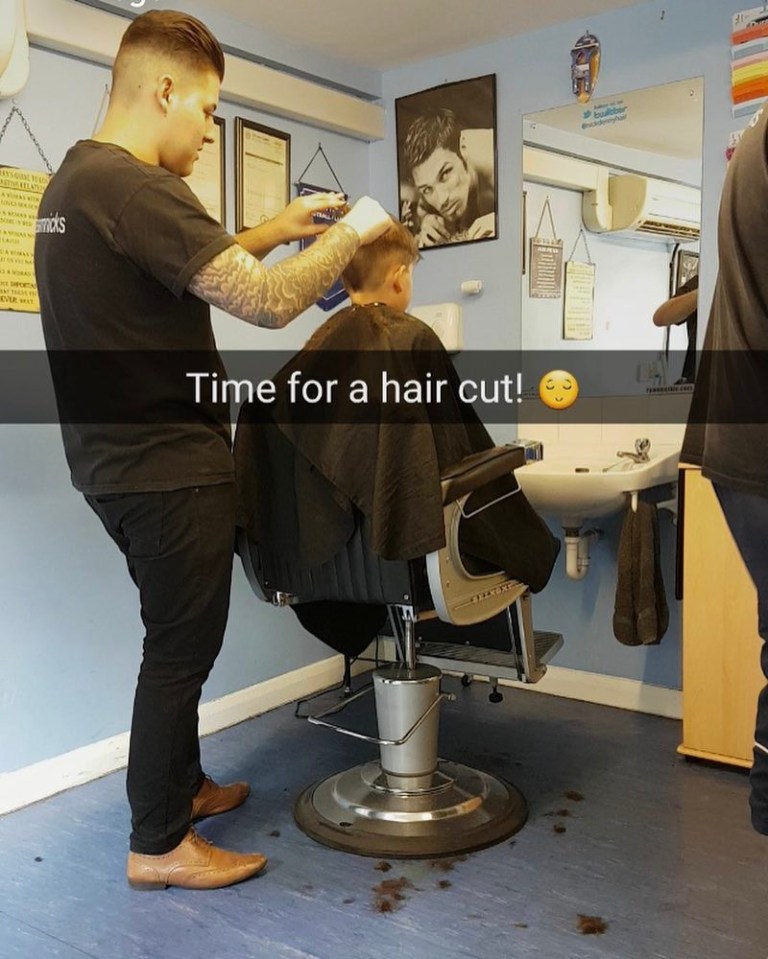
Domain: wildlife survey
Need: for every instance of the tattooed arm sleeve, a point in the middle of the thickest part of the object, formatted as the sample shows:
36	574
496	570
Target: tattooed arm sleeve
272	296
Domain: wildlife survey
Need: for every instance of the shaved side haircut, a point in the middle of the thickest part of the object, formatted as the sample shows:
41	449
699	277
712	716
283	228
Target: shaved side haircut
396	246
172	35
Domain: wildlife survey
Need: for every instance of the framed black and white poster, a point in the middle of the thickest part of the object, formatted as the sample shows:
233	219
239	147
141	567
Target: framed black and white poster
262	173
446	162
207	180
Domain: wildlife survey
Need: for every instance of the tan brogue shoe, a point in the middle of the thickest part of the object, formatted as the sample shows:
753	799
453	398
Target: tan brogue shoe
212	799
194	864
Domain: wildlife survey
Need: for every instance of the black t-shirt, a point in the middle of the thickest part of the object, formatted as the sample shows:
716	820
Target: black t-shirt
727	431
117	242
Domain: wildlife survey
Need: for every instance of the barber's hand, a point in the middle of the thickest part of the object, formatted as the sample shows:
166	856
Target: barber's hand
433	231
296	220
368	219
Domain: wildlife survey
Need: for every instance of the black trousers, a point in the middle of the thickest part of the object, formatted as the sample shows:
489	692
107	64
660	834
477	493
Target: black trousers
747	518
179	547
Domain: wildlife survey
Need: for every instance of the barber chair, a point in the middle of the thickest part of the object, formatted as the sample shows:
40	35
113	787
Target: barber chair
408	803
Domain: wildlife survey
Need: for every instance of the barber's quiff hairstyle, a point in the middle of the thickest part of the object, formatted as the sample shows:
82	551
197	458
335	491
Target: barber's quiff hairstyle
367	269
178	36
431	132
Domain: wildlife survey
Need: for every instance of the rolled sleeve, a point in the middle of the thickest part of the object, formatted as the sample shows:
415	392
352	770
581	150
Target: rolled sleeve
164	229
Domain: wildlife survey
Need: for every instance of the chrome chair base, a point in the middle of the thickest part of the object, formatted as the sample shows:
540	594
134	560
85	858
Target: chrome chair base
367	812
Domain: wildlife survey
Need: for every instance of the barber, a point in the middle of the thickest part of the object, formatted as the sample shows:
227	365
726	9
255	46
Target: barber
133	265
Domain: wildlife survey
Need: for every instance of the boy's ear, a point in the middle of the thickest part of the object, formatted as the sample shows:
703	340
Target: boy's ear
397	274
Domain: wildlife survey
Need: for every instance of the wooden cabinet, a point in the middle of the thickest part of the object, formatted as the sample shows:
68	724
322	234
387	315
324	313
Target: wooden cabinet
721	645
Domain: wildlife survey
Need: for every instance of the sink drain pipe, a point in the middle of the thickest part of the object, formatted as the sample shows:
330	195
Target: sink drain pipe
577	551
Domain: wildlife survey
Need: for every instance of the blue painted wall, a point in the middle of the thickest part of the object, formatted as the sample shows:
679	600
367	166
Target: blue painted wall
70	631
643	45
258	44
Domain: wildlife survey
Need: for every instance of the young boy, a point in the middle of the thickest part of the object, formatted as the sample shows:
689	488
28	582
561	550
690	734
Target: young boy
376	450
379	280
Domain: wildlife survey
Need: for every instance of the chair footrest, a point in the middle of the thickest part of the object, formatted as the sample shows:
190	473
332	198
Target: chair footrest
547	644
487	662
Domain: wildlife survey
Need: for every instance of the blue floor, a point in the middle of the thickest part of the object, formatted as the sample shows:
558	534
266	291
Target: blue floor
659	849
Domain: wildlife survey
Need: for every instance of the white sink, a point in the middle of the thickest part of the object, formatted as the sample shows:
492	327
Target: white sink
571	484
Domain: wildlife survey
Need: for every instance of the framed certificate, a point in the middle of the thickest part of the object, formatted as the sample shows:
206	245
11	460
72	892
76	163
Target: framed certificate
207	180
262	173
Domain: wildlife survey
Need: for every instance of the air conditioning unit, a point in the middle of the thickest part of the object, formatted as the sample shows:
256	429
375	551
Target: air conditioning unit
641	206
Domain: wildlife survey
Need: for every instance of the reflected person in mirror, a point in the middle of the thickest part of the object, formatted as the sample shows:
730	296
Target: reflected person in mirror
452	196
683	308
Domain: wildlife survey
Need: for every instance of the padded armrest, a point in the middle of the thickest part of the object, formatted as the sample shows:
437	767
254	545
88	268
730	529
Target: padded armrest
478	469
460	596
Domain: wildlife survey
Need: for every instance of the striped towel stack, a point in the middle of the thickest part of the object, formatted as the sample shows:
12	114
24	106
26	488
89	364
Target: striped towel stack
749	60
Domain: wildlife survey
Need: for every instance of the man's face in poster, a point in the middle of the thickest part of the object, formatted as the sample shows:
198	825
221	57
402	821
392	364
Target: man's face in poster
444	184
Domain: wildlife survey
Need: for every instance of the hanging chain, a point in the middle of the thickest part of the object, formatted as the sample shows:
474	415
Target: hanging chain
321	151
546	209
33	138
7	121
582	236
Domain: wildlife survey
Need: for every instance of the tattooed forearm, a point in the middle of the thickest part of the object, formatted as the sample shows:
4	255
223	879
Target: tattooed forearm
273	296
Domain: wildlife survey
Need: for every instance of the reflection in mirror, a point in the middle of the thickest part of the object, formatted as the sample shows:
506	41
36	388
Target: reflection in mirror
622	177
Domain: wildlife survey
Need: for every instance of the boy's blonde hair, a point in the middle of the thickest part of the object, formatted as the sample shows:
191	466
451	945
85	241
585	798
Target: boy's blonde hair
368	267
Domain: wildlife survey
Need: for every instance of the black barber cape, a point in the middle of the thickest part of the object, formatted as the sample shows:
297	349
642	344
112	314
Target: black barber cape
303	470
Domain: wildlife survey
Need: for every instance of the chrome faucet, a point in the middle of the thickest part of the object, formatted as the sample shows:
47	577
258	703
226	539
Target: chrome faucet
642	446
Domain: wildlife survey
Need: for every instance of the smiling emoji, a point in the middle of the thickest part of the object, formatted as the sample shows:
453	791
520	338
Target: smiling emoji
558	389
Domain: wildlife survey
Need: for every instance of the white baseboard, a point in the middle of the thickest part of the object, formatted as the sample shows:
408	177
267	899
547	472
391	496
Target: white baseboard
607	691
50	776
41	780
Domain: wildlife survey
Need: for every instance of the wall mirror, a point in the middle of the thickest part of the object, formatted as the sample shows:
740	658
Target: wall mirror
625	170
